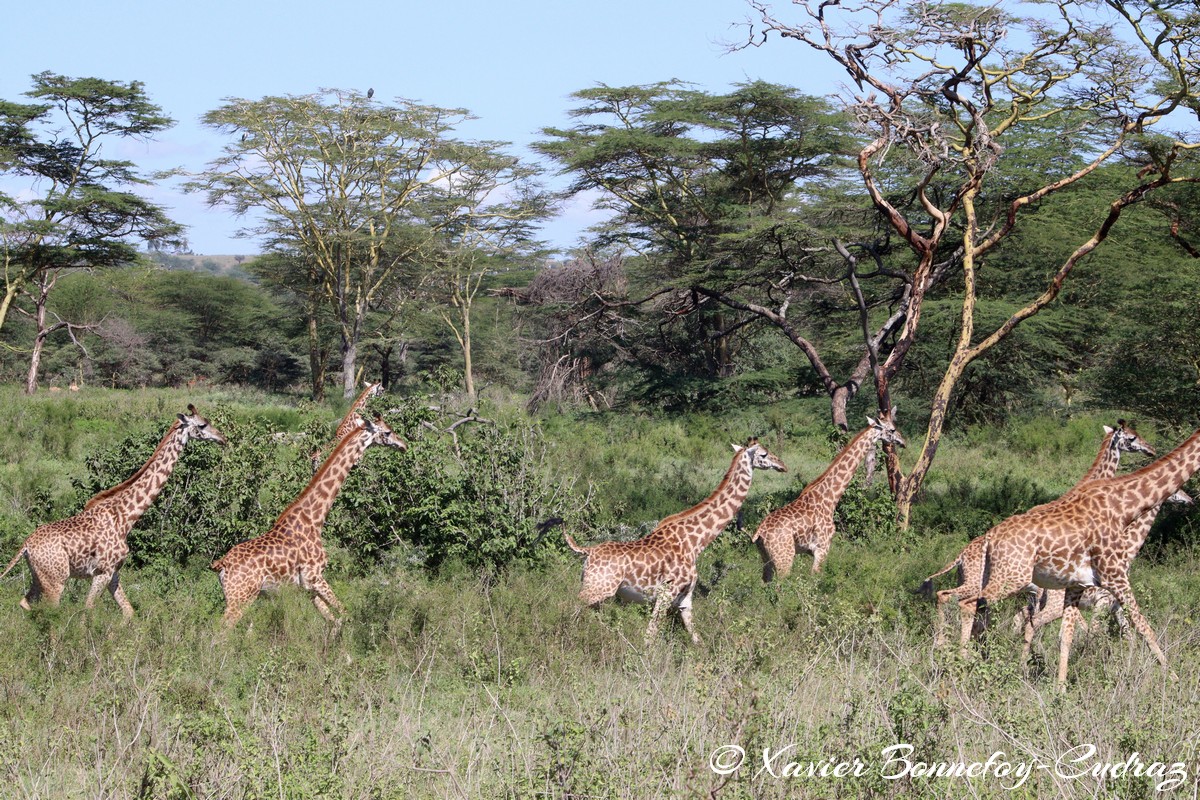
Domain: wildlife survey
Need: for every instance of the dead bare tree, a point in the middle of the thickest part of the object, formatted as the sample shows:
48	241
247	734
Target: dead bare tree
947	85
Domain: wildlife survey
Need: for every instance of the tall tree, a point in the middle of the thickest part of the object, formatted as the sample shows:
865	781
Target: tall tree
709	190
341	180
947	85
75	207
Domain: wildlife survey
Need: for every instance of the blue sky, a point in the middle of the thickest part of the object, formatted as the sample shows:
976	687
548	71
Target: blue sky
512	64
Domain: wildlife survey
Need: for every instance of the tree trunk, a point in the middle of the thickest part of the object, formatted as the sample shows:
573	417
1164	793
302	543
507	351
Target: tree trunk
349	366
45	283
468	371
316	359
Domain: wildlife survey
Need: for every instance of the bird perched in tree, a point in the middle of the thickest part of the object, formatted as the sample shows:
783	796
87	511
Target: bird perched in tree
370	93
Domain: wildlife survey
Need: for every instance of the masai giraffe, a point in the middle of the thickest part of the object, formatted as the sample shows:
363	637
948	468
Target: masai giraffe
970	562
352	421
662	564
1080	541
291	551
1050	603
806	523
92	543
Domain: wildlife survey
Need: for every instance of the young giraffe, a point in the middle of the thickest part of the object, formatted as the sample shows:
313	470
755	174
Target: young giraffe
806	523
663	563
970	562
92	544
352	421
291	551
1082	540
1050	603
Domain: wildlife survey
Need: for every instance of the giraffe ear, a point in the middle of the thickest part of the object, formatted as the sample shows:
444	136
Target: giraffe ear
871	422
737	448
892	413
1108	430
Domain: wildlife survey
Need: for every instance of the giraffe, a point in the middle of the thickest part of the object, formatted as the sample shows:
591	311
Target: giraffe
291	551
92	544
806	523
662	564
1083	540
352	421
1050	603
970	562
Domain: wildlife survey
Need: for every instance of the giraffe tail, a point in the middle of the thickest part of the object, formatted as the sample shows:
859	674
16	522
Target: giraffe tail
573	546
926	588
14	561
217	566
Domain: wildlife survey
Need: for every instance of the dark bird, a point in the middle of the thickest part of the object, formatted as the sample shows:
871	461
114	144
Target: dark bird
370	93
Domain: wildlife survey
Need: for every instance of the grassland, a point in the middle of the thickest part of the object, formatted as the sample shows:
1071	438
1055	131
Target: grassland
458	683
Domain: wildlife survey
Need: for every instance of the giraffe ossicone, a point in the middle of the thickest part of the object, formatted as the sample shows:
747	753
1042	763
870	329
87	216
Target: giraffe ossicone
662	565
292	550
92	544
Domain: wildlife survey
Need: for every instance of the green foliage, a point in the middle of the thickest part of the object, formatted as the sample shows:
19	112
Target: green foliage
475	498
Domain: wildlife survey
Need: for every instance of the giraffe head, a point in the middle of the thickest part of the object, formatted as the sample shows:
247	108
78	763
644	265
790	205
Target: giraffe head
760	457
884	429
1181	498
382	434
1126	440
194	426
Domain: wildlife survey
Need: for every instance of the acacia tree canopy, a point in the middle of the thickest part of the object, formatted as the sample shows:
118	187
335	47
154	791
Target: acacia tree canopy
83	211
350	184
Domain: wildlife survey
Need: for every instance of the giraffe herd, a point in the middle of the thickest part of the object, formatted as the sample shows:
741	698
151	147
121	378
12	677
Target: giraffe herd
1069	553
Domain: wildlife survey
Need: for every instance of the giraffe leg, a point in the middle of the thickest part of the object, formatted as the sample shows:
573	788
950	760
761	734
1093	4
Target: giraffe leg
777	553
823	539
1029	627
939	630
325	601
114	587
685	611
1118	585
768	571
98	584
662	600
968	607
50	571
1070	616
35	591
240	591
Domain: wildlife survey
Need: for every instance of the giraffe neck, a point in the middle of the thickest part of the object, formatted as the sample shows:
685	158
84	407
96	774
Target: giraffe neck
695	528
832	483
317	498
1151	485
130	499
357	407
1106	463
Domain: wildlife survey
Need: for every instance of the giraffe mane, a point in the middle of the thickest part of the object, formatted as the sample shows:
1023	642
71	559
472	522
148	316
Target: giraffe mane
108	493
678	515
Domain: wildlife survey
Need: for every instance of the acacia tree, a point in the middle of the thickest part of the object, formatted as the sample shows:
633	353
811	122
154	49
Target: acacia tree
948	85
341	181
80	210
718	194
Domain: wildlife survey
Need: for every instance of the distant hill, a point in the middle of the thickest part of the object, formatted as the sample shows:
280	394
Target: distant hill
228	266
